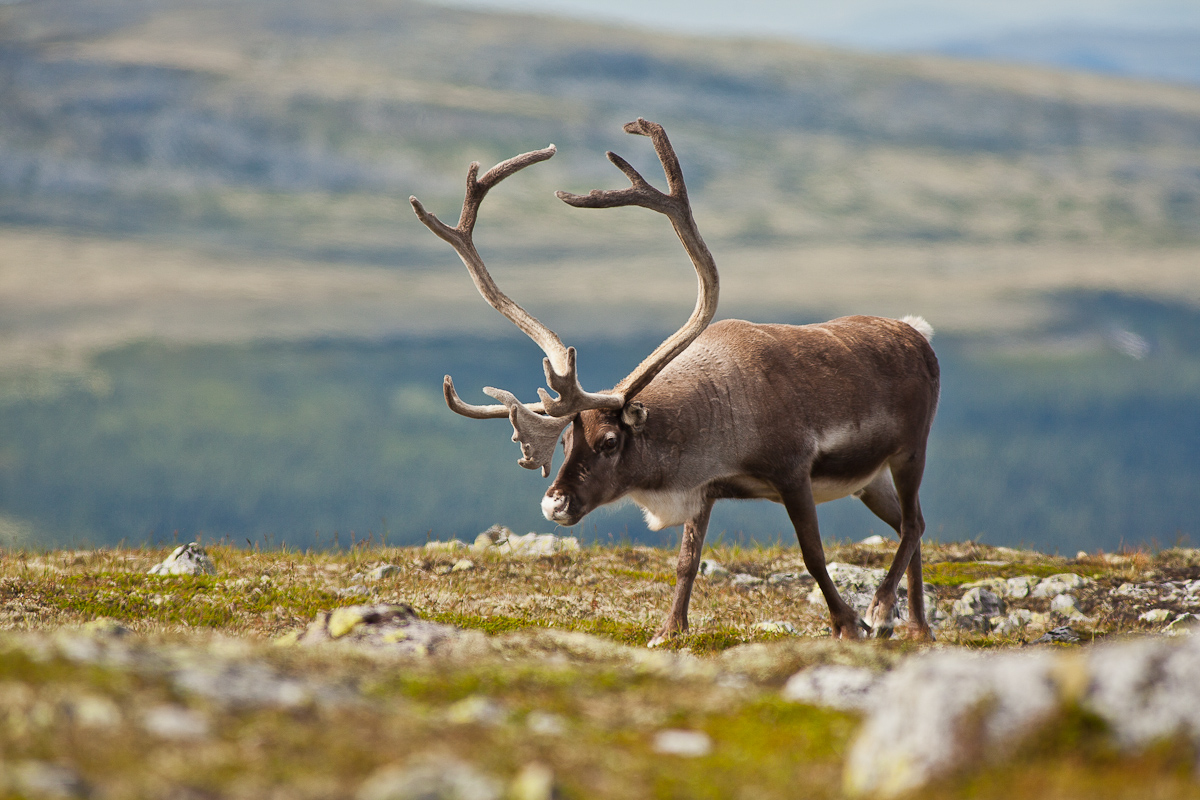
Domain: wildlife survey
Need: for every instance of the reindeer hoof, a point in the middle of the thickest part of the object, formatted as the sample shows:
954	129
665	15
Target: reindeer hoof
919	633
882	620
661	638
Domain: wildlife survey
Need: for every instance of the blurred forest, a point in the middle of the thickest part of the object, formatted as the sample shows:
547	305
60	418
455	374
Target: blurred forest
218	315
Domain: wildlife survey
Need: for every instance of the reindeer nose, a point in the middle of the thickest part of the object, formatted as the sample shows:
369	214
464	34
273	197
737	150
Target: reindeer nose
554	507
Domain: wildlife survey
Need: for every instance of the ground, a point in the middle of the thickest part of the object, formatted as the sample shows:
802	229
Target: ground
115	683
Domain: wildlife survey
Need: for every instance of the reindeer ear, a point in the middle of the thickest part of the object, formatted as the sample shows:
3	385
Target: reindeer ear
634	415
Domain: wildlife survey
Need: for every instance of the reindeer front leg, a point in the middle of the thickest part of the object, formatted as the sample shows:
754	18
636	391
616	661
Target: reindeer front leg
676	621
798	500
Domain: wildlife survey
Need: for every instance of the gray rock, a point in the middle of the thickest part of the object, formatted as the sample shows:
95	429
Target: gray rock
243	685
477	710
1146	690
1064	604
187	559
501	540
834	685
1059	584
688	744
978	602
1060	635
534	782
712	569
377	574
175	722
1183	625
939	712
1018	588
848	577
778	578
1155	615
936	713
743	579
39	779
775	626
395	627
452	546
442	779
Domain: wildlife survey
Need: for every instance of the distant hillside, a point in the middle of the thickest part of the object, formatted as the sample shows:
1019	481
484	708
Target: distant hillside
282	126
1165	55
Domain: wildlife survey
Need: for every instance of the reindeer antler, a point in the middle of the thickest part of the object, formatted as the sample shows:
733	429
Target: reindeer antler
536	426
676	207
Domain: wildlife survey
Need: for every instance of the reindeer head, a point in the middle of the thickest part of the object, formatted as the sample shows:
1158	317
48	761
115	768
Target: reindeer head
601	427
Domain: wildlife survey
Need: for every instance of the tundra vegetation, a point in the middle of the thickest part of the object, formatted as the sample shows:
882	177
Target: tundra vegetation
118	683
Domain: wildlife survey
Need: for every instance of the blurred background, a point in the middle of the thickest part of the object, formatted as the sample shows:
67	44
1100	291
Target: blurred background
220	318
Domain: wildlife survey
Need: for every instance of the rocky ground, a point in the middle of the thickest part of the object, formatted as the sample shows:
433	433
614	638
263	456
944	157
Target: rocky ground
516	667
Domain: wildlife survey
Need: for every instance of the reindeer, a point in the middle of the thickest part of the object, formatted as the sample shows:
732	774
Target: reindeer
798	415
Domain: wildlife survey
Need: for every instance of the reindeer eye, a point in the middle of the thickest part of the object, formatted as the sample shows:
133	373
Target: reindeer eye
607	443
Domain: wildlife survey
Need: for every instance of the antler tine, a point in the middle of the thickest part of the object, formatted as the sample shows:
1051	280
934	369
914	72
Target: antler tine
678	209
537	435
571	396
457	405
461	239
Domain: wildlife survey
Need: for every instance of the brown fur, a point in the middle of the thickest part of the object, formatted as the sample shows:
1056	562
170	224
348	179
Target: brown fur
772	411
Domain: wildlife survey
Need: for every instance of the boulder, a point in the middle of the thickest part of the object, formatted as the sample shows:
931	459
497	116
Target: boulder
834	685
1059	584
187	559
391	626
436	779
939	712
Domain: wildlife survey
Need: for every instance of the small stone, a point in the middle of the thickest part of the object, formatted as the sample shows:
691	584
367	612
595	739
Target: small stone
444	779
175	722
344	620
776	578
90	711
1019	587
538	544
688	744
849	577
833	685
544	723
478	710
743	579
978	602
381	572
42	780
1064	604
775	627
103	626
1059	584
534	782
997	586
1060	635
874	541
1155	615
1183	625
446	547
187	559
355	590
462	565
713	569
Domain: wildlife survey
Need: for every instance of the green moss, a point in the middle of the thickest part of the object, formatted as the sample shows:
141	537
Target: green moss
204	600
956	573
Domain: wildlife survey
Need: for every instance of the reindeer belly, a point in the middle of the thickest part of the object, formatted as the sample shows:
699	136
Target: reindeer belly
826	489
